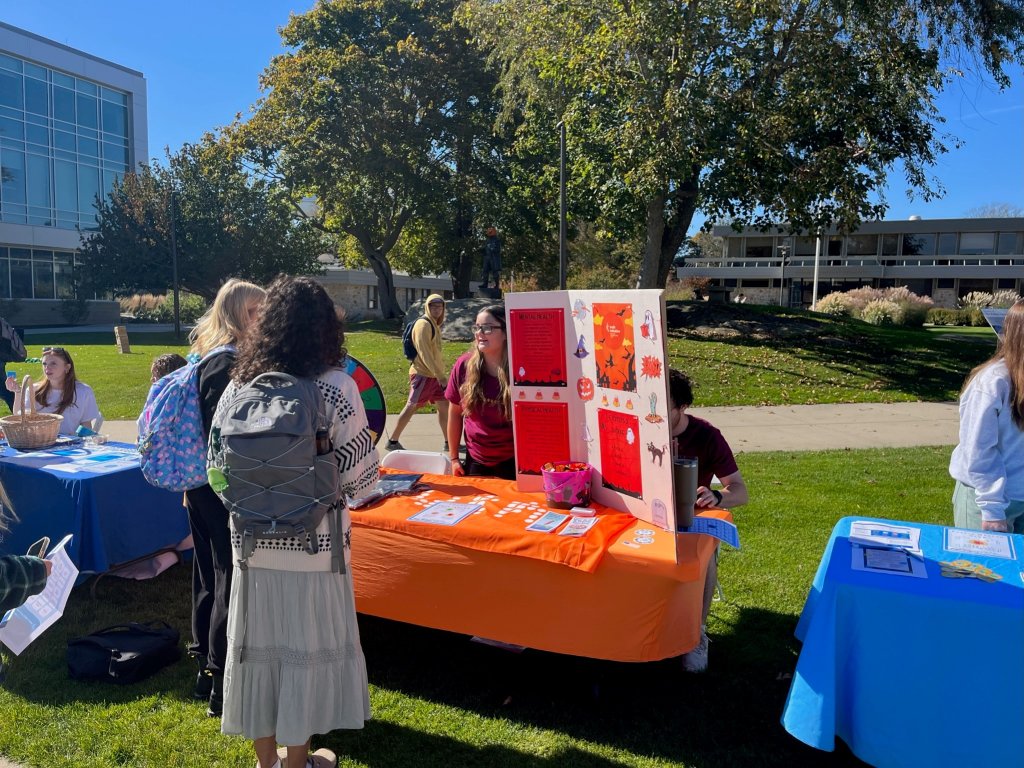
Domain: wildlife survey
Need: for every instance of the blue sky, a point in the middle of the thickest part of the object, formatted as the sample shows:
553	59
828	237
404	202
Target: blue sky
202	61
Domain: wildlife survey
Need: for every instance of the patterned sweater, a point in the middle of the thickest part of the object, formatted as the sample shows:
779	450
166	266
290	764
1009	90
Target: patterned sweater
360	469
20	578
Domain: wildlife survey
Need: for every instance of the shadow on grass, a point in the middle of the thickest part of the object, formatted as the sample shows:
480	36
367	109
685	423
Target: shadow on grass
907	360
726	717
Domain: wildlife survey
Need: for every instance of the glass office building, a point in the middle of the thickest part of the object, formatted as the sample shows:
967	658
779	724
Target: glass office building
71	124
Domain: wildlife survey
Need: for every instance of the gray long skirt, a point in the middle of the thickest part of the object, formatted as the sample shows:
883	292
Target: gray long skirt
301	670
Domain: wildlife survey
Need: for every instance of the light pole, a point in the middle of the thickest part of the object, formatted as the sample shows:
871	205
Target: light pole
174	269
783	253
563	255
817	260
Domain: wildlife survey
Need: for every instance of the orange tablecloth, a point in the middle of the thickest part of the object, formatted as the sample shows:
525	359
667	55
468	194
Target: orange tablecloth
638	605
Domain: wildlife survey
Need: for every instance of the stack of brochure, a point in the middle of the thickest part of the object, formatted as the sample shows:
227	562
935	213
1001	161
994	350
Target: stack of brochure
869	533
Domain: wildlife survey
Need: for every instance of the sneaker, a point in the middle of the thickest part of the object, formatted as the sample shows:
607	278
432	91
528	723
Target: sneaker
394	445
204	681
445	449
216	707
322	758
697	659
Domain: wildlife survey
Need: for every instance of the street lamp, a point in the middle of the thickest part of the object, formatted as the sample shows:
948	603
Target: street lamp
563	254
174	267
783	253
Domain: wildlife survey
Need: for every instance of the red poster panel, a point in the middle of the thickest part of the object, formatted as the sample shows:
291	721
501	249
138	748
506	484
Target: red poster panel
537	339
542	434
620	452
614	351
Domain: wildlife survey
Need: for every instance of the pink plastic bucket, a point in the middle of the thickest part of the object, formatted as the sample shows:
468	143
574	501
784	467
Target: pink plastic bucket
566	484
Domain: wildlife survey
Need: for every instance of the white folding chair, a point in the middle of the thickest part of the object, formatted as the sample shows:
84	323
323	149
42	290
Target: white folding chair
418	461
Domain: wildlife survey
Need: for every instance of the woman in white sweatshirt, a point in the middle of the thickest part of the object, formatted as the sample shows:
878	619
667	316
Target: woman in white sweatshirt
988	463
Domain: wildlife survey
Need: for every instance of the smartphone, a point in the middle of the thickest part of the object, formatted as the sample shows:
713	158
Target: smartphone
39	548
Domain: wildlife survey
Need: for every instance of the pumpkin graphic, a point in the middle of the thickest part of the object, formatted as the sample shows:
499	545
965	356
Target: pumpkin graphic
585	388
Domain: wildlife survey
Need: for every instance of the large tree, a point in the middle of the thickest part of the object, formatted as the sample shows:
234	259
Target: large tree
383	112
227	224
753	111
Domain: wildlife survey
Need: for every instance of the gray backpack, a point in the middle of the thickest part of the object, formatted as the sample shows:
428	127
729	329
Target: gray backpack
272	464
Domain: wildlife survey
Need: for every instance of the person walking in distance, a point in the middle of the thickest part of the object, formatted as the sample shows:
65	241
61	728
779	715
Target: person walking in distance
427	374
492	259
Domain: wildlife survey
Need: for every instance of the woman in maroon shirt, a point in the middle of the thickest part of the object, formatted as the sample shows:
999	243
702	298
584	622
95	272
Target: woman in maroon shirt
478	390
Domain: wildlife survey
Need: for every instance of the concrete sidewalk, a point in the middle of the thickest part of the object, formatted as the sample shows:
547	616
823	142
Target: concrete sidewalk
754	429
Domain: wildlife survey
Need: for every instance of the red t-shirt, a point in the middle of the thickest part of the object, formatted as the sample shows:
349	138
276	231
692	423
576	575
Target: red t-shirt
714	456
488	433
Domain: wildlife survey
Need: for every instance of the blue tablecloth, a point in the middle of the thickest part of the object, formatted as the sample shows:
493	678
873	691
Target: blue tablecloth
910	671
115	517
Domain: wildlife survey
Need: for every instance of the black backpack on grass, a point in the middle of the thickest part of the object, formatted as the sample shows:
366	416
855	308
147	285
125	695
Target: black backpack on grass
124	653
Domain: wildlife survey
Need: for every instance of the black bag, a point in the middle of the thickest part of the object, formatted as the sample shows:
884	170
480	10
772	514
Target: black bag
123	654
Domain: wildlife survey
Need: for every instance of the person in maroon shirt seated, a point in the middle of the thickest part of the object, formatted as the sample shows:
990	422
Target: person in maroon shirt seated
478	390
695	437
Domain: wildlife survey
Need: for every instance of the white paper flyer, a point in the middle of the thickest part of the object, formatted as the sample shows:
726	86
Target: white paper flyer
24	624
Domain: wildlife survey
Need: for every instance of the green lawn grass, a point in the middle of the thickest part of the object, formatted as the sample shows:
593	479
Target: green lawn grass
843	361
438	698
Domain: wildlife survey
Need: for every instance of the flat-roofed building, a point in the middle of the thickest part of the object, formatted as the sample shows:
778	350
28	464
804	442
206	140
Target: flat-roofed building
70	125
942	258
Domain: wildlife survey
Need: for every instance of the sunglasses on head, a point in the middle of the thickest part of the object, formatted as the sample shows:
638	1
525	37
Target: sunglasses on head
52	349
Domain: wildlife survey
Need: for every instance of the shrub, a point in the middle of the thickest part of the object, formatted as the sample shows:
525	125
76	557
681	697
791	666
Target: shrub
676	291
976	299
882	312
861	297
975	318
914	308
147	308
837	304
1005	298
942	316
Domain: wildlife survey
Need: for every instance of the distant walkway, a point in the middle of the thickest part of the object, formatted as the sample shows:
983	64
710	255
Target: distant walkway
757	429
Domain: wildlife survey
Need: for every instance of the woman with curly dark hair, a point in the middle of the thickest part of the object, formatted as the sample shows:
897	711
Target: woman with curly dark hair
295	666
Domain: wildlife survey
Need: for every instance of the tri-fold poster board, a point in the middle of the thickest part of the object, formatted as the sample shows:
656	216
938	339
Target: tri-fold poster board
589	379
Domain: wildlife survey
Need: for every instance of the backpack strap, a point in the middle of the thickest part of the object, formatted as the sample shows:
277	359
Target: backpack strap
337	539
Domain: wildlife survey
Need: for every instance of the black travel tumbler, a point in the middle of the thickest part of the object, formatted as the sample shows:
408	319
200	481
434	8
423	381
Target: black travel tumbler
684	483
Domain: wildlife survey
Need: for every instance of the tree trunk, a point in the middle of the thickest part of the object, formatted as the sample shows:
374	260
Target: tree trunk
682	205
650	265
465	248
389	307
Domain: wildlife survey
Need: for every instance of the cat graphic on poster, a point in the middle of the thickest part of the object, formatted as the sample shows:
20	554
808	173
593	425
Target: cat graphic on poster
614	348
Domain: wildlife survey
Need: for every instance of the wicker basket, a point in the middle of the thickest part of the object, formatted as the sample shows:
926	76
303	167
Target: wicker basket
28	431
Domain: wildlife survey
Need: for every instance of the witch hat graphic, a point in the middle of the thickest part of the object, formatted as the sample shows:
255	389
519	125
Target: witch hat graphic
581	349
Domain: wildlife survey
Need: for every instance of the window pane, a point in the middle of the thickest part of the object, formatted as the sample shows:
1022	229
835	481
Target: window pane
1007	243
115	153
88	190
12	175
947	243
63	275
42	273
88	147
37	97
63	80
889	244
862	245
64	140
12	129
919	245
21	278
115	118
109	177
759	248
10	89
6	62
5	279
34	70
87	111
38	133
84	86
39	181
806	246
63	104
65	183
977	243
115	96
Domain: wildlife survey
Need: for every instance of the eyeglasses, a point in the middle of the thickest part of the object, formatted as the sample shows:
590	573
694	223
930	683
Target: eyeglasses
486	330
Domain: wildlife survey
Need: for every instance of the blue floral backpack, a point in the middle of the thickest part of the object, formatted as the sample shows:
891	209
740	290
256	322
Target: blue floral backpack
172	443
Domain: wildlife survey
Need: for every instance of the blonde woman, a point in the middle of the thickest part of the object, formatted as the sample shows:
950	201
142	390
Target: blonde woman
213	339
481	403
988	463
